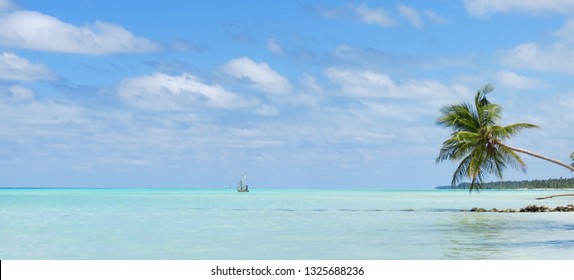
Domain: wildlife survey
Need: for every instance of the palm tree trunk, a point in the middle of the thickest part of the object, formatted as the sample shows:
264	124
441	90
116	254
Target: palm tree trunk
553	196
569	167
544	158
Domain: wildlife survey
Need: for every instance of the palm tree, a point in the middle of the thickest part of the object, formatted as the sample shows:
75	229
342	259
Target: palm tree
572	158
477	140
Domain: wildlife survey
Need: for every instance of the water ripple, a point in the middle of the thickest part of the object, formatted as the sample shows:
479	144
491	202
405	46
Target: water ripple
549	243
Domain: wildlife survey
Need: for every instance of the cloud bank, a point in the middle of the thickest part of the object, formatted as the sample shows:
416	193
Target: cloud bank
161	91
554	57
37	31
484	8
374	84
260	75
378	16
15	68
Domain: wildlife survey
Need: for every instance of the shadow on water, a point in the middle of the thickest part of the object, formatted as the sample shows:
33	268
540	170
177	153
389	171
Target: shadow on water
474	237
547	244
495	236
566	227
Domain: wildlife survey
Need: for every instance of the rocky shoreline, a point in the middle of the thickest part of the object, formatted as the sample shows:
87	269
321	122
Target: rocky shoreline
528	209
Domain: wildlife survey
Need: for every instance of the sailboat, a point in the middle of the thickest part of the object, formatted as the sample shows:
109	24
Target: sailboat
242	186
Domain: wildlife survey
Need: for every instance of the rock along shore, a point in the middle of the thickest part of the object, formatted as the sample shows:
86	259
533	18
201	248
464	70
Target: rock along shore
529	208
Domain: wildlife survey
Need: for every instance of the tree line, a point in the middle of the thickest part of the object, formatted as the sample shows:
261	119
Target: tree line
562	183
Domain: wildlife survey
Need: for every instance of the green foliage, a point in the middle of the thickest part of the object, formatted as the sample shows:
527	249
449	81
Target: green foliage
572	158
562	183
477	140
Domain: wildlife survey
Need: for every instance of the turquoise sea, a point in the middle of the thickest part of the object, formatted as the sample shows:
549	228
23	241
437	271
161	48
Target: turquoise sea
273	224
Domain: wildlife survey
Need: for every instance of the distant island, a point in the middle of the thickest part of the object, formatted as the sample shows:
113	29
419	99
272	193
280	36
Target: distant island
562	183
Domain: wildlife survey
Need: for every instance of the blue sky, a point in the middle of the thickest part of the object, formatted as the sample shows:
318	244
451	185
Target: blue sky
329	94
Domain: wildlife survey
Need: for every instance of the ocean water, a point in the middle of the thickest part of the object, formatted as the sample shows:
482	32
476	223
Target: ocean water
271	224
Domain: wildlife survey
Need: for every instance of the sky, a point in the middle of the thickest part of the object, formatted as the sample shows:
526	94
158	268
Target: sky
297	94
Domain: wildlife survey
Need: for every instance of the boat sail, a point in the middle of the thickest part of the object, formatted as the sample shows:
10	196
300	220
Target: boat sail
242	186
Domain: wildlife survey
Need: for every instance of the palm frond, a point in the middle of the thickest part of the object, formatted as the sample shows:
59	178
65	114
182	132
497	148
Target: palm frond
516	128
458	146
476	140
461	171
480	97
512	158
475	184
486	89
459	117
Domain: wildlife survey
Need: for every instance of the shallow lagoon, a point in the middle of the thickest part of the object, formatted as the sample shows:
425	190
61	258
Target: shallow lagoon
279	224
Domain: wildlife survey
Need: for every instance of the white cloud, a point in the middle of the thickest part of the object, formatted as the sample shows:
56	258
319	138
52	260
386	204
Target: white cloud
6	5
392	111
274	47
15	68
566	33
20	93
310	83
482	8
417	18
434	17
411	15
164	92
554	58
377	16
555	114
16	94
559	112
513	80
330	13
373	84
259	74
380	16
363	84
37	31
34	118
567	103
